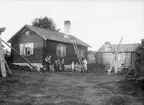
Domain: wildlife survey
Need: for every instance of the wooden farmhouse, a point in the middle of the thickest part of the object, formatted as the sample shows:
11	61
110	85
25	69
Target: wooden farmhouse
35	43
126	56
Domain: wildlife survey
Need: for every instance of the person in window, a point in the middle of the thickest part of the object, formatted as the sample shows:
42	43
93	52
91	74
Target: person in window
48	62
61	50
63	65
28	52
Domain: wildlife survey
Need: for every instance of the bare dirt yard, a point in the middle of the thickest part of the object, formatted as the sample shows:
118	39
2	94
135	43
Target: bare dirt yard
67	88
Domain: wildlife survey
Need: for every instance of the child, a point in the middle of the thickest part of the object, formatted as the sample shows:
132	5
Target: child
76	67
59	65
62	64
72	66
56	65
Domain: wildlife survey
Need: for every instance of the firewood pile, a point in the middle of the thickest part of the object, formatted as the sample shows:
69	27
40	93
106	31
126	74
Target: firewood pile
97	69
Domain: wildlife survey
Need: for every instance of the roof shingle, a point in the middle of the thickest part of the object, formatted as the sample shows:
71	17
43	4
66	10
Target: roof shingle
52	35
122	48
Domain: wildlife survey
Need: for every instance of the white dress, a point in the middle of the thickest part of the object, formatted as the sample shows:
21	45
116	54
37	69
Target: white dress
2	61
72	66
85	64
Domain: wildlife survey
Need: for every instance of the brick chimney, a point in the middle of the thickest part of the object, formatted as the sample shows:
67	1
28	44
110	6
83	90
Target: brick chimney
67	26
107	45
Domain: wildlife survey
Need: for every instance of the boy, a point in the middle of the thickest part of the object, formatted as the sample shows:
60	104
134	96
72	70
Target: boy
48	61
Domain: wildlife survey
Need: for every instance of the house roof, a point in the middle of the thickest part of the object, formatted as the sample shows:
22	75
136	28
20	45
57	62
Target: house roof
51	35
122	48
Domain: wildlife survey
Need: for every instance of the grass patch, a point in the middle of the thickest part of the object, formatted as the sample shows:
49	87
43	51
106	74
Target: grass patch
65	88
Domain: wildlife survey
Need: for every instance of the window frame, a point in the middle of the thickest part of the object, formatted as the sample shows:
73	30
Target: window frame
58	50
27	45
82	52
27	33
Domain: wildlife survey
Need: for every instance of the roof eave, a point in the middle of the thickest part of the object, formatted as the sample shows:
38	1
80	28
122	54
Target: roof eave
25	26
89	46
9	41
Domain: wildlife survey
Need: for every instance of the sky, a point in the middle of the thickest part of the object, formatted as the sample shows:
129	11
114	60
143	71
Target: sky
95	21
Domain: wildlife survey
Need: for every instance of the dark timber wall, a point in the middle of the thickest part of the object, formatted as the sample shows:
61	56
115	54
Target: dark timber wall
38	47
51	46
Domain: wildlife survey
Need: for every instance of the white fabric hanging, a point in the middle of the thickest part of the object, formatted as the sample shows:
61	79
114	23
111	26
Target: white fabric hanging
21	49
2	64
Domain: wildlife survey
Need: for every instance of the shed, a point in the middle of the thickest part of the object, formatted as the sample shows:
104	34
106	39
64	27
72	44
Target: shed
126	54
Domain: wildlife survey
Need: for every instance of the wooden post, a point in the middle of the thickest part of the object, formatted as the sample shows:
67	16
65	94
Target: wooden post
8	67
115	59
126	58
101	59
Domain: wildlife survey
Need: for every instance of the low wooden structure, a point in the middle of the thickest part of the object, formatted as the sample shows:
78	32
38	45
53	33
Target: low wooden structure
126	54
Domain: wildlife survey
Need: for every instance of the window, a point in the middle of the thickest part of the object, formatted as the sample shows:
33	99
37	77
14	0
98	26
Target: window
27	49
61	50
27	33
82	52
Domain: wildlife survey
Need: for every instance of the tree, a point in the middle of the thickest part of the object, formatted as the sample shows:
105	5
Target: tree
45	22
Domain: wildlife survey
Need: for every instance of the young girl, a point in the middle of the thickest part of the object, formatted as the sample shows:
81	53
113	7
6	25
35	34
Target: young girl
63	65
72	66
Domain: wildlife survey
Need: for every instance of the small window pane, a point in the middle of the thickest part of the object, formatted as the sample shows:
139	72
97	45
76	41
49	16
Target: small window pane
27	49
21	49
61	50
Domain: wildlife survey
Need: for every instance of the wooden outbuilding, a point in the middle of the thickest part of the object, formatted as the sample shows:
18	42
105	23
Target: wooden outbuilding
126	55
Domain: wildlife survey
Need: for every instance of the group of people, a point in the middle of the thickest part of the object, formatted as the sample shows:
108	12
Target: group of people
84	66
60	65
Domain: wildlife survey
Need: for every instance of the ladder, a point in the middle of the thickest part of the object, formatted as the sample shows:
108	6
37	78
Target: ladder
77	52
115	59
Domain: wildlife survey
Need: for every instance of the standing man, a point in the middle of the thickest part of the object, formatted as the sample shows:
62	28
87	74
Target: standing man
114	63
85	65
55	65
48	62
